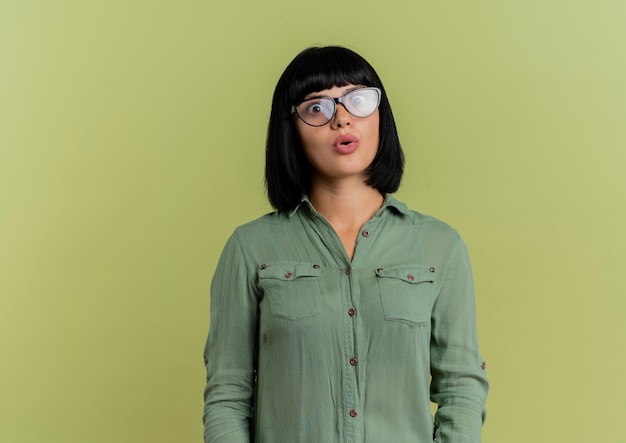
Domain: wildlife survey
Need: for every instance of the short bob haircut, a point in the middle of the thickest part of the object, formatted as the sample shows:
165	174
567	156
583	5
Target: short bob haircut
287	171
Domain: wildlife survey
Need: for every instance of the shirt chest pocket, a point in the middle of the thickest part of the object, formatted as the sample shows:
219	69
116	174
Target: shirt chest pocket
407	293
291	290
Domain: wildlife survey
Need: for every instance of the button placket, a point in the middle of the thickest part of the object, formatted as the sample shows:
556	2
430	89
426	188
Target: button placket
352	394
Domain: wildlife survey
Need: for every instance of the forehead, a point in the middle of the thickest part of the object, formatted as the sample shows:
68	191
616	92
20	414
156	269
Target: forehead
335	91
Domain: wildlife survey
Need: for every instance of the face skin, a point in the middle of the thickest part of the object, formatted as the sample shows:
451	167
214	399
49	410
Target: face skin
330	159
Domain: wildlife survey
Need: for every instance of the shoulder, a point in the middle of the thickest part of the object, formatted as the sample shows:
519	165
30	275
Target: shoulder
423	223
270	227
264	222
434	225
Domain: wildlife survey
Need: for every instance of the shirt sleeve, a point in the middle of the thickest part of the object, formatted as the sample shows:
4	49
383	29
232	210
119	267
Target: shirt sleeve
230	348
459	385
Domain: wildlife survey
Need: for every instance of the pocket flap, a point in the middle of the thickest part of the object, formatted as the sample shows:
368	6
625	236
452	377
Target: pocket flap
408	273
288	271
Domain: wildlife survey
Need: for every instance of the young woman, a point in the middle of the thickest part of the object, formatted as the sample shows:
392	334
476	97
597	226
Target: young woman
341	315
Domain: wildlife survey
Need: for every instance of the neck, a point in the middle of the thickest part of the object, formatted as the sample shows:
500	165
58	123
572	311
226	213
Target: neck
346	206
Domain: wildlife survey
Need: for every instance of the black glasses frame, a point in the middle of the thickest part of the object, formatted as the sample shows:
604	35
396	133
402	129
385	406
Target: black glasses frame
337	101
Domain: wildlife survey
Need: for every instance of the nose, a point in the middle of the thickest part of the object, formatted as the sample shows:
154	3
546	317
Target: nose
342	117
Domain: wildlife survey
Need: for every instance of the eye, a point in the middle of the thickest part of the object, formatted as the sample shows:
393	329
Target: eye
314	108
317	107
357	99
361	102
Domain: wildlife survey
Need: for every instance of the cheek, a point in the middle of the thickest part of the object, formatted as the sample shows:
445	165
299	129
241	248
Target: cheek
302	130
373	130
307	146
308	138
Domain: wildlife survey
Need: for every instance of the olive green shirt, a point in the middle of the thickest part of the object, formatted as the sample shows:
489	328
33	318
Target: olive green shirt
308	346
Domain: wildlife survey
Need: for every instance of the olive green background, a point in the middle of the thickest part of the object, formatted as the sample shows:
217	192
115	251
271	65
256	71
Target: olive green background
131	145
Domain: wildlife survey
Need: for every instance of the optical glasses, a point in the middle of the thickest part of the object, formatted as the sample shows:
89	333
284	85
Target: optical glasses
318	111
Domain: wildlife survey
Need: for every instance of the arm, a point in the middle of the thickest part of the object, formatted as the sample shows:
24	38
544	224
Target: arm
458	386
229	350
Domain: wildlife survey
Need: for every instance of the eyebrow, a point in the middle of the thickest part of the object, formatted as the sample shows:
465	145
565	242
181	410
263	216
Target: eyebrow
349	90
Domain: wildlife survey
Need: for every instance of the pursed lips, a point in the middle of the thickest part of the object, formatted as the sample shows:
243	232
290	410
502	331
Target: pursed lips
346	144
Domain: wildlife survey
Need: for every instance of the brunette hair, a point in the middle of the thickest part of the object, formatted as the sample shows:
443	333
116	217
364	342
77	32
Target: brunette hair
287	171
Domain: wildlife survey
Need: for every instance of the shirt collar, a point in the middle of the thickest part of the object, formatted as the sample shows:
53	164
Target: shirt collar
303	203
389	201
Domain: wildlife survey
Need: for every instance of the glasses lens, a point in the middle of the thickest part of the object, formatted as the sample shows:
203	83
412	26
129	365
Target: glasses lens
362	102
320	110
316	111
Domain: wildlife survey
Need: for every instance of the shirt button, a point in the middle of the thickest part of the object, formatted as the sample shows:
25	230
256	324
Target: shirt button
351	312
348	270
288	275
354	361
316	266
365	233
353	413
410	277
262	267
